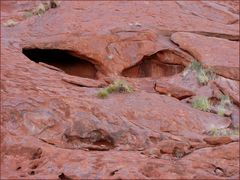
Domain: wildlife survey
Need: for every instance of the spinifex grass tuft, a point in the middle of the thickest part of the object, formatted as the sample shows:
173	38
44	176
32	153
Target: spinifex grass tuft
117	86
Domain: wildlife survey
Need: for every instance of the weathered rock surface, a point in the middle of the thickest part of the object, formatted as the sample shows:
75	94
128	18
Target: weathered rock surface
217	140
85	82
174	91
53	64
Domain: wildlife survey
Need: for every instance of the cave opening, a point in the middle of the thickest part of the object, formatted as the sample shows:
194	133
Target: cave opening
64	60
161	64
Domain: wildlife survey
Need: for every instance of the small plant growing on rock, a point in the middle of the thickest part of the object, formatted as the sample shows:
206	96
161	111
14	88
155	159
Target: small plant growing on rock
223	132
43	7
201	103
10	23
195	65
103	93
203	75
221	110
224	102
116	86
39	10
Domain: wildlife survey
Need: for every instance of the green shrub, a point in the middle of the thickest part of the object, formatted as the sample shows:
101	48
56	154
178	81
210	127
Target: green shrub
121	86
224	101
195	65
103	93
201	103
221	110
203	75
117	86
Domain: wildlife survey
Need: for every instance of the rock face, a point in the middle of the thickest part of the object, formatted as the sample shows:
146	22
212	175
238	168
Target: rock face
55	57
171	90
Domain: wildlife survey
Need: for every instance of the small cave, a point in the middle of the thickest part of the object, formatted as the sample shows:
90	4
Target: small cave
64	60
161	64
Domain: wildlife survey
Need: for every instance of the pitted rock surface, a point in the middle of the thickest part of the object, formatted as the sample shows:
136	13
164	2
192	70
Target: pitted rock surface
53	126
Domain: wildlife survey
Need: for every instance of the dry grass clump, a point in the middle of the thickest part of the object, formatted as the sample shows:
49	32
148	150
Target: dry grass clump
224	103
10	23
223	132
117	86
39	10
201	103
204	75
43	7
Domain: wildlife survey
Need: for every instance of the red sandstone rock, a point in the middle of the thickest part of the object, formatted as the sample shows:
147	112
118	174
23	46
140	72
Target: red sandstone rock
210	10
52	129
235	116
174	91
85	82
217	140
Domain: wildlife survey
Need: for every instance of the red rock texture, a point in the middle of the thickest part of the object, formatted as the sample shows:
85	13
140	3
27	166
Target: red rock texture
53	126
218	140
174	91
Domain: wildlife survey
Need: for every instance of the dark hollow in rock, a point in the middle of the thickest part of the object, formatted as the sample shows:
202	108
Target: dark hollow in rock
101	138
113	172
18	168
34	166
63	177
164	63
219	171
37	154
53	4
31	172
63	60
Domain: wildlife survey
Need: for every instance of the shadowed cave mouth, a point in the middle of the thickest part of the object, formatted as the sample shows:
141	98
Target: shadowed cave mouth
64	60
160	64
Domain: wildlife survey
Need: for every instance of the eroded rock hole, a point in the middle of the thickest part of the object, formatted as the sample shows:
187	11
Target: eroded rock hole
34	166
31	172
63	177
114	172
63	60
164	63
37	154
